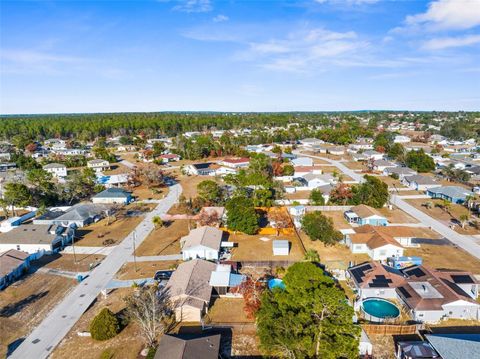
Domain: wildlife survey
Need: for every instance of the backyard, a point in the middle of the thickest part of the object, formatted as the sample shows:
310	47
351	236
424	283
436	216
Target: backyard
227	310
24	304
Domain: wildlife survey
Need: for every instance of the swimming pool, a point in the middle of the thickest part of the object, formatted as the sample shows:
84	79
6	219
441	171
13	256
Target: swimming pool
276	283
378	309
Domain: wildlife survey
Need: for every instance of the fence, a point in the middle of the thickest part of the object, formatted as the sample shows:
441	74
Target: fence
389	329
269	264
328	208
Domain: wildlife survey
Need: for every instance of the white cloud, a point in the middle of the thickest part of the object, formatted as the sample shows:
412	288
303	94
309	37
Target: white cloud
220	18
440	43
348	2
448	15
191	6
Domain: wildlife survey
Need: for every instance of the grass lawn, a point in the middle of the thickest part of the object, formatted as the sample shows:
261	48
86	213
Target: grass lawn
143	192
144	269
24	304
227	310
252	248
298	195
165	240
355	165
445	256
126	345
338	252
396	215
454	213
66	262
95	234
117	168
391	182
339	220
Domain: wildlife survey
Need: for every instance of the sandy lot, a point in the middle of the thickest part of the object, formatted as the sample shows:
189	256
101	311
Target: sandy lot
25	304
165	240
396	215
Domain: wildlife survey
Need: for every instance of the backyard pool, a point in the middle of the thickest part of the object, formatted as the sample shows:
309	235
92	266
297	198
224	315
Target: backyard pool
378	309
276	283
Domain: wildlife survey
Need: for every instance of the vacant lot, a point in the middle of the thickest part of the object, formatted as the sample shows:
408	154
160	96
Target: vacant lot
391	182
127	344
113	230
165	240
190	183
117	168
445	256
25	304
143	192
144	269
66	262
396	215
298	195
338	252
355	165
259	248
338	218
452	216
228	310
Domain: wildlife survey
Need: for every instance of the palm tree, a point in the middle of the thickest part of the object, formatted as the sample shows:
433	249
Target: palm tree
157	222
446	205
464	218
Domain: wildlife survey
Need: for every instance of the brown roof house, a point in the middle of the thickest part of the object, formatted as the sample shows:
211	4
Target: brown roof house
189	289
202	242
179	347
13	264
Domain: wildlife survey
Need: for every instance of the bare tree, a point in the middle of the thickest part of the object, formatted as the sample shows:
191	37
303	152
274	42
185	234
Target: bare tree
208	218
151	309
279	218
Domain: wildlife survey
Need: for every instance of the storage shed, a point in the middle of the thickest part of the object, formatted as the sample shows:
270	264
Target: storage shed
281	247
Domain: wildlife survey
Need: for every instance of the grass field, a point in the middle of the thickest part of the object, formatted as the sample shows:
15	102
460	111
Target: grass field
67	262
227	310
144	269
165	240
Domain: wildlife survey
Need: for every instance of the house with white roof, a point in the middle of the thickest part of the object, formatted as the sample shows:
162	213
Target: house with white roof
401	139
98	164
203	242
58	170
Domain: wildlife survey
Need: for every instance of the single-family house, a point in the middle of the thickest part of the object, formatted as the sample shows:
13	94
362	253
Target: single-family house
202	169
377	244
169	157
98	164
189	289
455	345
399	172
235	162
420	182
203	242
336	150
57	170
303	170
357	157
82	214
37	239
309	142
401	139
188	347
373	155
317	180
415	350
363	214
381	165
454	194
112	196
13	265
302	161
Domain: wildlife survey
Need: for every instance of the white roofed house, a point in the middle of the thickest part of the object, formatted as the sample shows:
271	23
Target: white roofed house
203	242
336	150
57	170
420	183
373	155
112	196
401	172
302	161
401	139
381	165
317	180
222	279
235	162
98	164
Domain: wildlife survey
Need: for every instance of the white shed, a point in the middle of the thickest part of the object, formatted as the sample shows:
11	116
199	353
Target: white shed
281	247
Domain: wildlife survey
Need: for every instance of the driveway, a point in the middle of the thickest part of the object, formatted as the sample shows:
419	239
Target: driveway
46	336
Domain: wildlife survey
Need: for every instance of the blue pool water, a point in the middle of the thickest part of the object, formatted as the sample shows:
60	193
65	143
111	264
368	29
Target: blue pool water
380	308
276	283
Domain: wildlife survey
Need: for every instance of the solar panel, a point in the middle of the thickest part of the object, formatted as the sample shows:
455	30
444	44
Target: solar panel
455	288
404	292
462	279
378	285
417	272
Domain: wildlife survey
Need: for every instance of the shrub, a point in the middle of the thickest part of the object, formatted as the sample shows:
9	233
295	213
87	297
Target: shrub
107	354
105	325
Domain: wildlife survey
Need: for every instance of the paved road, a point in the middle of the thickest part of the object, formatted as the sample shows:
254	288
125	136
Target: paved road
41	342
468	243
166	257
349	172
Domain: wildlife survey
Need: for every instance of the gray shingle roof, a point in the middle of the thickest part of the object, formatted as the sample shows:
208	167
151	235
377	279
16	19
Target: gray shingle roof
451	191
455	346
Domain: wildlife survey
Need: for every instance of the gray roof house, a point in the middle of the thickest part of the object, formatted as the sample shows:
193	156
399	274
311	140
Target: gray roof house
189	289
182	347
202	242
13	265
420	183
455	346
400	171
113	195
82	214
454	194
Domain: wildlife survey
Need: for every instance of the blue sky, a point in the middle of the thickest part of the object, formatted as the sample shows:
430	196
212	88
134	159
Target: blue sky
232	55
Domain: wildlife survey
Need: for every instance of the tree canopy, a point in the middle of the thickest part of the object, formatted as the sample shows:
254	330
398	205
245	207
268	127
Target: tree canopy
373	192
310	318
419	161
320	228
241	215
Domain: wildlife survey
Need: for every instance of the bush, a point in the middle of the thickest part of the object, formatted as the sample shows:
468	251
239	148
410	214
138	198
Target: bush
151	353
107	354
105	325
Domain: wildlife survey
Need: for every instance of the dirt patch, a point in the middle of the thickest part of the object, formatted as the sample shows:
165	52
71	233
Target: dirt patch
117	168
24	304
354	165
127	344
144	269
391	182
253	248
165	240
383	346
142	193
298	195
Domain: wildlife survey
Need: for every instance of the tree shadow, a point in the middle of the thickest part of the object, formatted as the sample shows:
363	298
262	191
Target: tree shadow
13	308
11	347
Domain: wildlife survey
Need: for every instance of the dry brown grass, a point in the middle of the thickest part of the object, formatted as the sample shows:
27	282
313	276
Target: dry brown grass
355	165
25	304
298	195
117	168
445	256
252	248
126	345
396	215
339	221
391	182
143	192
66	262
144	269
228	310
165	240
383	346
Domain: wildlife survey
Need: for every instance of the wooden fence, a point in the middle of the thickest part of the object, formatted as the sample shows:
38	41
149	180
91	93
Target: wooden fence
389	329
